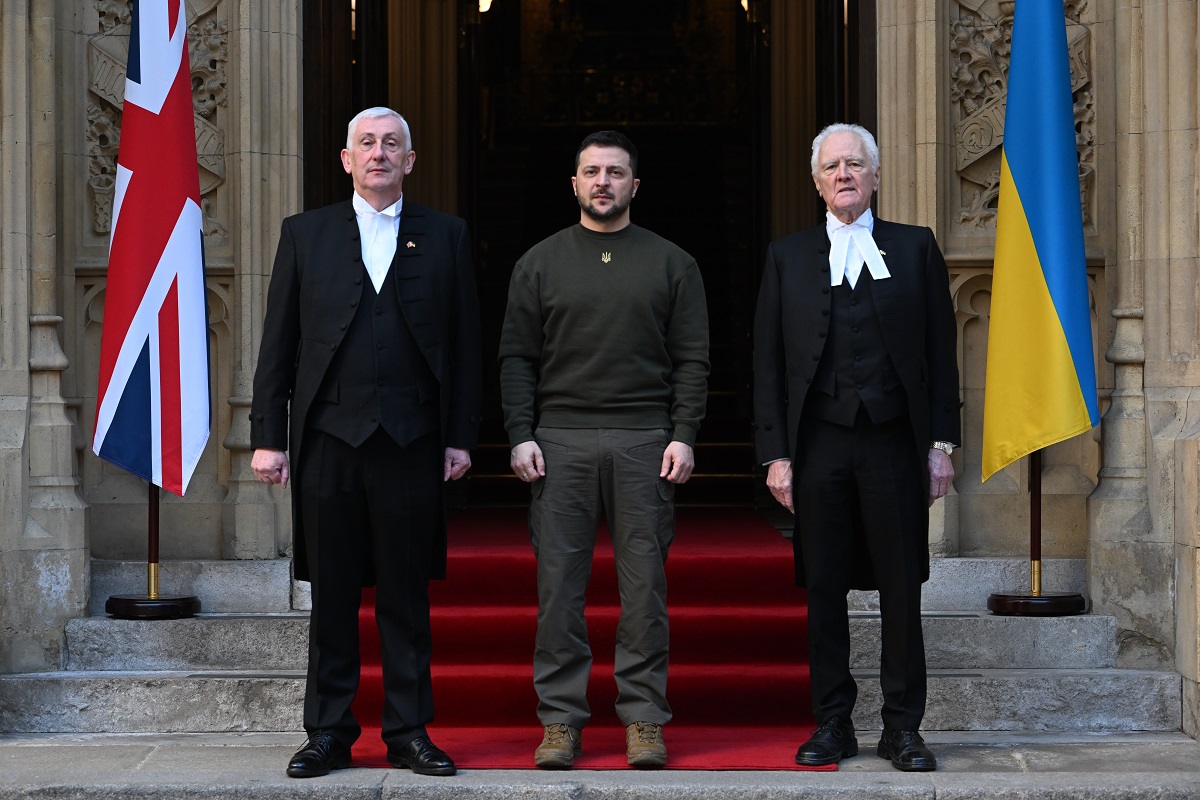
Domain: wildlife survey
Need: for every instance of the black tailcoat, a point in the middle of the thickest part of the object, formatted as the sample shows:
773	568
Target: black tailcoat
916	316
316	284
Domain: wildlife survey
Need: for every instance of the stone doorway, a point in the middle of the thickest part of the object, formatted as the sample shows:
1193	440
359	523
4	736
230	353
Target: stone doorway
684	80
691	82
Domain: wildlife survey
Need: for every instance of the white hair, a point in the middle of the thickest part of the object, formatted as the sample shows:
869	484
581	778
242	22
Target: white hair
843	127
372	113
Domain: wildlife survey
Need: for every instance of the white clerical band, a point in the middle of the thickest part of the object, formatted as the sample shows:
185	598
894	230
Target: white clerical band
850	247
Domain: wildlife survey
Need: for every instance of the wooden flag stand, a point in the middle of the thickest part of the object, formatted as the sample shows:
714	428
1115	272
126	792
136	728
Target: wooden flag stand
1037	603
151	605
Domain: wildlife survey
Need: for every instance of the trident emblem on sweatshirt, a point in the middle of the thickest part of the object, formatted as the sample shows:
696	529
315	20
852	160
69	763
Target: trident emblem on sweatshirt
606	257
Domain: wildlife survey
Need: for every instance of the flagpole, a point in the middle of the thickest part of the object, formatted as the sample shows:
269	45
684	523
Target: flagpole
152	605
153	415
152	509
1040	386
1037	603
1035	523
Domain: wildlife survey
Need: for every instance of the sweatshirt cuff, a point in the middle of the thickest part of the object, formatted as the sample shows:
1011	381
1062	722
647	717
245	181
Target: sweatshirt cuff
520	435
685	434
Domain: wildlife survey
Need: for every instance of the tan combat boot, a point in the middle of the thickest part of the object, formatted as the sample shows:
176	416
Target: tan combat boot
560	746
644	745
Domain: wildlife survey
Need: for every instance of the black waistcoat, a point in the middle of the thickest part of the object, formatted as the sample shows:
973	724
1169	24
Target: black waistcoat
855	369
378	378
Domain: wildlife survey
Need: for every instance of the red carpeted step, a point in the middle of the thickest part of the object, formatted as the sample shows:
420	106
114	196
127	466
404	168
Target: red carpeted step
730	573
704	634
738	639
702	747
718	556
739	695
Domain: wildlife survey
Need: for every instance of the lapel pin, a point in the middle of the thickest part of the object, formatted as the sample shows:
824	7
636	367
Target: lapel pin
410	244
881	252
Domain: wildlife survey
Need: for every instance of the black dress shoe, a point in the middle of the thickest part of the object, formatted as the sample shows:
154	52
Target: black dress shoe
907	751
422	757
829	744
319	755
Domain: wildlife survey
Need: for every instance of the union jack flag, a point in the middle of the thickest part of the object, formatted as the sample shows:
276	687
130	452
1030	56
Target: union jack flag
152	406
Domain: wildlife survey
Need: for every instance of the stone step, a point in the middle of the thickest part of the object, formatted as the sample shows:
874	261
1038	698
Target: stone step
985	641
250	767
955	584
967	640
253	586
259	642
972	766
1096	700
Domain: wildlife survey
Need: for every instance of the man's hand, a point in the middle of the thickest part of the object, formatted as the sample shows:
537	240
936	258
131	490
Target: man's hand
456	463
941	474
270	466
779	481
678	463
527	462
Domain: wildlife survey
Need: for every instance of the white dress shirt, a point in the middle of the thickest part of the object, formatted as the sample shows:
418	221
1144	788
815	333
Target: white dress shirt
378	231
850	246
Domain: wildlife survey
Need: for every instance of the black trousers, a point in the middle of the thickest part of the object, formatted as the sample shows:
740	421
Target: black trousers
869	471
369	509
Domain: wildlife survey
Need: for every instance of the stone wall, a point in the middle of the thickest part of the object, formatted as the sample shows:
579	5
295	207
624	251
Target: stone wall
1130	506
941	131
1157	251
1142	559
61	94
246	95
43	556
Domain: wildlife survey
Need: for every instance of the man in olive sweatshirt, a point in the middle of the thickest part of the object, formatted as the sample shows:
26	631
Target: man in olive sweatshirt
603	376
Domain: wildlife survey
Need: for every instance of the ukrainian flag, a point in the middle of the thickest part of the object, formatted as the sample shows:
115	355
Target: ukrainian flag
1041	373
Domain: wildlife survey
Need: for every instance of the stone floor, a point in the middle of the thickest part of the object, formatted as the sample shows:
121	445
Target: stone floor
1162	766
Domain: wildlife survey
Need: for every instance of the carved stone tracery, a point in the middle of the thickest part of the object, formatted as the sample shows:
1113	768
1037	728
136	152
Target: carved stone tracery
112	494
980	46
108	52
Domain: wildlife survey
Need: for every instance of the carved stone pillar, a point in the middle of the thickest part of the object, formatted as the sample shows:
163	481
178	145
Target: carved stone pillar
44	572
1118	510
266	178
15	234
913	145
1156	237
1152	435
55	506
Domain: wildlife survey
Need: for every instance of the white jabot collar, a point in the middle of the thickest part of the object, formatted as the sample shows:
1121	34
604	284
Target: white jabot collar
850	246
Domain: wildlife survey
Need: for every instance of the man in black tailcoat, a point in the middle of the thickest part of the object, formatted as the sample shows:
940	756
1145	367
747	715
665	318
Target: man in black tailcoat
856	412
369	378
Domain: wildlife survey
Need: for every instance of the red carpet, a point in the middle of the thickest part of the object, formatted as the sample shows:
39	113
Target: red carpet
738	682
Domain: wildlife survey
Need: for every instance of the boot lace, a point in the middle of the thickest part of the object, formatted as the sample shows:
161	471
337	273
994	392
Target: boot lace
557	734
647	732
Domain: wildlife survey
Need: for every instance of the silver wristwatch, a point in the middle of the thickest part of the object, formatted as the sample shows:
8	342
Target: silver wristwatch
945	447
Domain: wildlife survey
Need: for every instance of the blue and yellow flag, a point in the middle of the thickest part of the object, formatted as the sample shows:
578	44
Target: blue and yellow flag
1041	372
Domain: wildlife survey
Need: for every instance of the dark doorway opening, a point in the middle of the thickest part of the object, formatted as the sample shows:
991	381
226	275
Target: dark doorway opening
345	71
684	80
688	80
